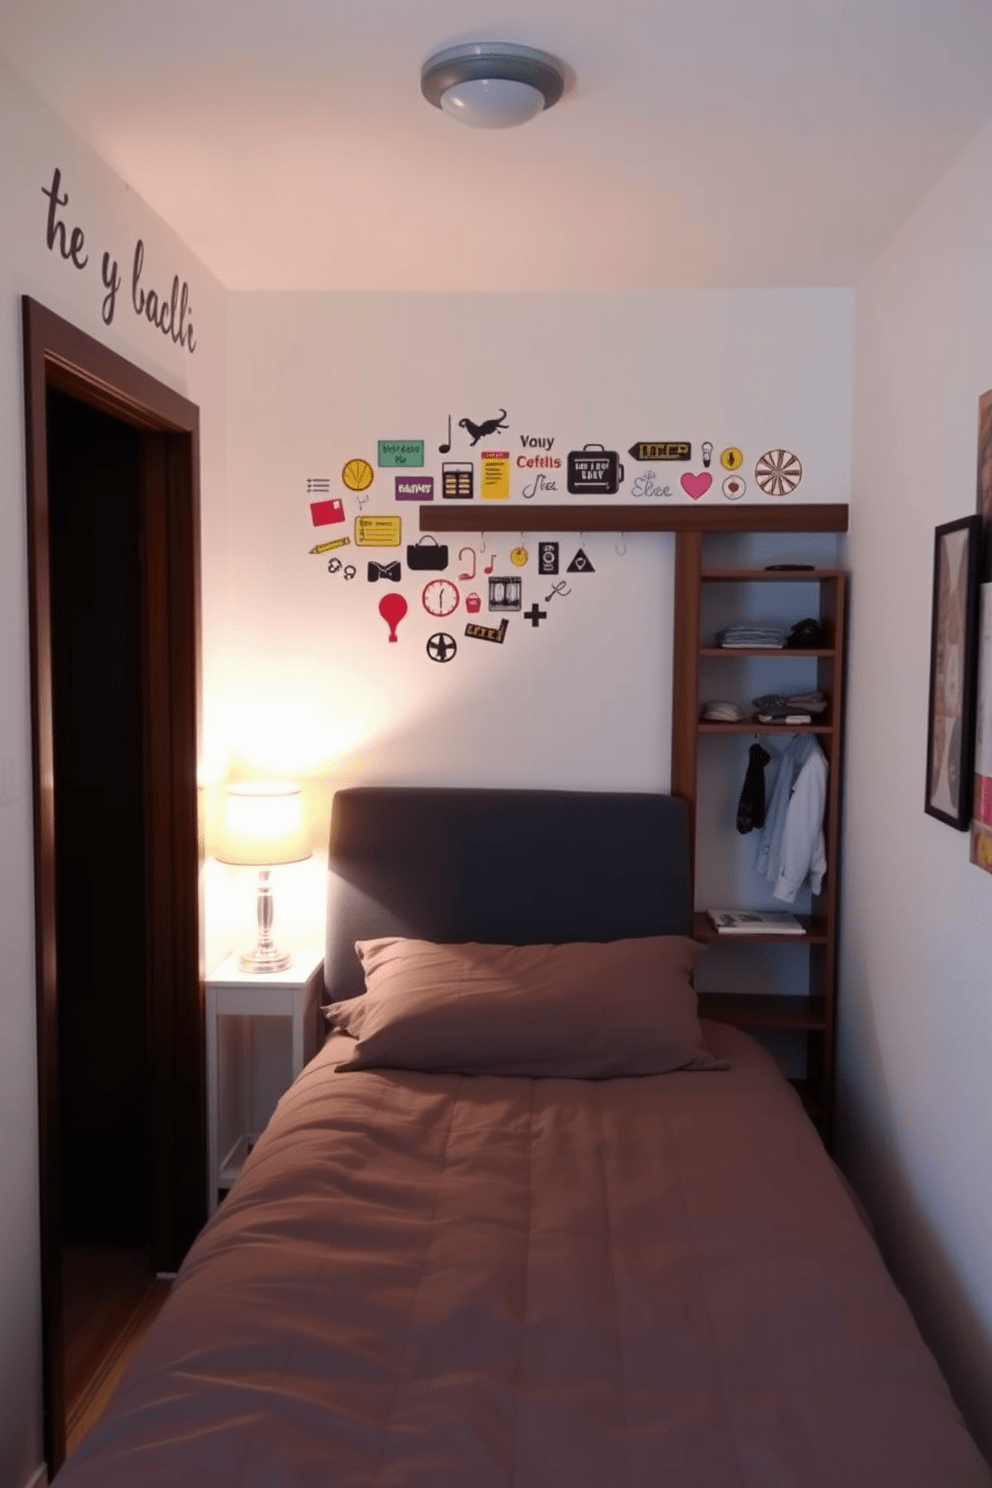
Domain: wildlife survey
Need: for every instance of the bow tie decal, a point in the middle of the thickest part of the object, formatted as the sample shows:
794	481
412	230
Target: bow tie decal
384	571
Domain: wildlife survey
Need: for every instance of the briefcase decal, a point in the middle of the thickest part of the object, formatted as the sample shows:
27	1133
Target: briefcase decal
594	471
427	555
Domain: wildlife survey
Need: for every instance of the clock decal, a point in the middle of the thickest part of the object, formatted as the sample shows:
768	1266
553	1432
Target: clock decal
440	597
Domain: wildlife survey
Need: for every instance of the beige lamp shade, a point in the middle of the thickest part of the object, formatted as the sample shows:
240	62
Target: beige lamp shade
263	824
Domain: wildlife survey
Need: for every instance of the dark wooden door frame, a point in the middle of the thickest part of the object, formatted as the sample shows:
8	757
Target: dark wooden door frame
57	354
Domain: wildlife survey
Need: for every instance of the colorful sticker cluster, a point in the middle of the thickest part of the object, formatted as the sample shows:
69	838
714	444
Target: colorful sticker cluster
492	463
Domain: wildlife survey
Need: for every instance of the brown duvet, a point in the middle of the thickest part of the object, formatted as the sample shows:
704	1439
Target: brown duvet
441	1281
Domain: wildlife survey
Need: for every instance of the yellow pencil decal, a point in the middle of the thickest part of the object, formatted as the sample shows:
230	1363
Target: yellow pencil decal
339	542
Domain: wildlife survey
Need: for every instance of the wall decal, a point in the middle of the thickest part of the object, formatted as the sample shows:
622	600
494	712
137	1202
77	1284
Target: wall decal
156	311
580	564
168	315
56	229
778	472
334	567
318	485
560	588
473	603
734	487
392	571
440	597
732	459
358	475
594	471
427	554
488	632
457	481
492	562
519	556
696	484
444	449
401	452
461	559
547	557
324	513
441	646
661	449
410	488
505	593
337	542
487	427
350	570
706	449
378	532
540	463
644	485
535	616
495	475
392	608
539	485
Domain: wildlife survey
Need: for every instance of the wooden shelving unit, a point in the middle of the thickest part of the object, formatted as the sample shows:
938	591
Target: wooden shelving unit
807	1016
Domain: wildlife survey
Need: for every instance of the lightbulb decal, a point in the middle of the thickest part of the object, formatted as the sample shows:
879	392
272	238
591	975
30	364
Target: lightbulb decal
707	449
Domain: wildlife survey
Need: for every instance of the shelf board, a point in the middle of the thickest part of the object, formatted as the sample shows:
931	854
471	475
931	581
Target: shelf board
725	652
770	576
479	516
752	726
756	1010
230	1168
704	929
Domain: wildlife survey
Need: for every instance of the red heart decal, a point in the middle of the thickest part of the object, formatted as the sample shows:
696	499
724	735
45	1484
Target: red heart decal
696	485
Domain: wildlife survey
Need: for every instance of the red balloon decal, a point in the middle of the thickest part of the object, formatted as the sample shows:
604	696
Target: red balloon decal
392	608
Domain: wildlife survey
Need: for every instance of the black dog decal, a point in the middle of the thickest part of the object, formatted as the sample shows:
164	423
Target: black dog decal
488	426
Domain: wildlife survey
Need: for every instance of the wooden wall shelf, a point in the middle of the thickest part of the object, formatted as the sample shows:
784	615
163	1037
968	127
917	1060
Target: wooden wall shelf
475	516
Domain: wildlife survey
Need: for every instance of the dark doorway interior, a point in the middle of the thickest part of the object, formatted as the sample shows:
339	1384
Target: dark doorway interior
113	571
95	538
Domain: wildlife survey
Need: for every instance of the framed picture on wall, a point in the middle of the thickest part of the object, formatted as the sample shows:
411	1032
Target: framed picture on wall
981	820
953	638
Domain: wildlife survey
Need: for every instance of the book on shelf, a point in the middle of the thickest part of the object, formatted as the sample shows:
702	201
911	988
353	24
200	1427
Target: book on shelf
755	922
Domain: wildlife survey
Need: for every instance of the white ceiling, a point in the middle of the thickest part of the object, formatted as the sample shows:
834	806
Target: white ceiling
700	142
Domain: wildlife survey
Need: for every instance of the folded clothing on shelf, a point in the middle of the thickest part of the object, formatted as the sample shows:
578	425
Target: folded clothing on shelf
794	707
806	634
750	633
721	712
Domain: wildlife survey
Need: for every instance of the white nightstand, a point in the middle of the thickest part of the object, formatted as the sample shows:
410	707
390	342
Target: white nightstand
261	1030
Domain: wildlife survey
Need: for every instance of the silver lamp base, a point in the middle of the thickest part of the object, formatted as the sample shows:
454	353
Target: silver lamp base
266	956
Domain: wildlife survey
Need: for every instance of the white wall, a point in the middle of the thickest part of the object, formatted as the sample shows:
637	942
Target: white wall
33	142
584	701
915	1020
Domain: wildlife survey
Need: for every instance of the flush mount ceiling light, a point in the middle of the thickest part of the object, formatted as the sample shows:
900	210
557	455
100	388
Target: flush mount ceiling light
492	84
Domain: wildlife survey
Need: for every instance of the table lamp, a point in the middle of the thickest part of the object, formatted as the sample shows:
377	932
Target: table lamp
263	826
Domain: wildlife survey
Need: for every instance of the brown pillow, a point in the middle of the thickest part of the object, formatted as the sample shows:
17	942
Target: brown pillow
588	1010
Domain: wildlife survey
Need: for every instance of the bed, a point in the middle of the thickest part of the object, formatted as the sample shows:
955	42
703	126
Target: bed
485	1241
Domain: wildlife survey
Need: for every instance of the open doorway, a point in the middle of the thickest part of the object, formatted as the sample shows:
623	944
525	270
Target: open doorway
113	558
109	1284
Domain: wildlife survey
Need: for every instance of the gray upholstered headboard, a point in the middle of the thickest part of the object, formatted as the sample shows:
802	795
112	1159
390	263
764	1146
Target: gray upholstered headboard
510	867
